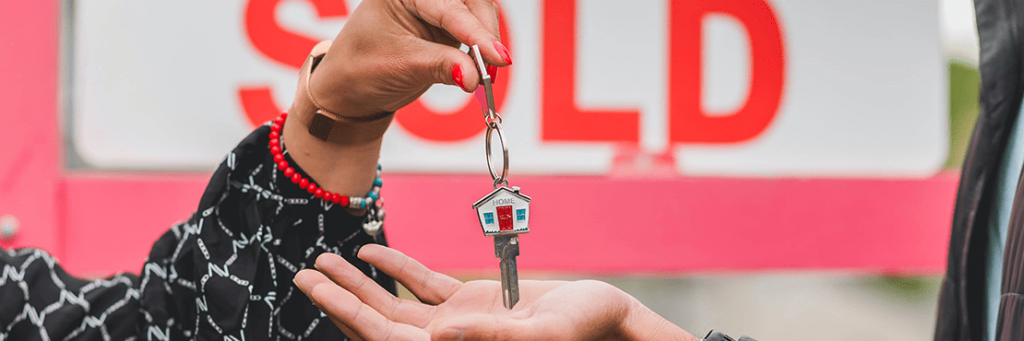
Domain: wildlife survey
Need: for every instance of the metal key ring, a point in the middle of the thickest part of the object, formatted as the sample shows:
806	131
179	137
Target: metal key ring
495	126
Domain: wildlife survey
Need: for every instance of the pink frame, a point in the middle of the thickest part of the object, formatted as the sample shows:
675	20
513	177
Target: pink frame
99	223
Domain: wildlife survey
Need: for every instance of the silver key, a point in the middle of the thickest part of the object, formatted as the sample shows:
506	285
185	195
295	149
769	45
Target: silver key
506	247
504	214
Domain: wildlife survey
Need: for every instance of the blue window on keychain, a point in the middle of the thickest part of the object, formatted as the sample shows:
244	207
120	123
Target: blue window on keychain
489	218
521	214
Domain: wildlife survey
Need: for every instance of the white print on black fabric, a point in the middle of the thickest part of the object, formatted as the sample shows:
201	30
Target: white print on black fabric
225	274
39	311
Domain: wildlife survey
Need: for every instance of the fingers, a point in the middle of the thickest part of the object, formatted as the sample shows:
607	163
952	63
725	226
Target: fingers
488	327
429	286
446	65
455	17
349	313
344	329
305	280
369	292
486	11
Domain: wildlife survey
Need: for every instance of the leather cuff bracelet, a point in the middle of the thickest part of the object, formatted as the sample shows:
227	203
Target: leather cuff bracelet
329	126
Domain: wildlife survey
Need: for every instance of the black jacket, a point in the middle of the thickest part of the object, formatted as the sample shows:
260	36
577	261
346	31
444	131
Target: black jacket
961	313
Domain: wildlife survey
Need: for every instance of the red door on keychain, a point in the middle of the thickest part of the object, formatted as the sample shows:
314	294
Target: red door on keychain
504	218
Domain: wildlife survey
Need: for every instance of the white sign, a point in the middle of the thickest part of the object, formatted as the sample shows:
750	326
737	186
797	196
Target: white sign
726	88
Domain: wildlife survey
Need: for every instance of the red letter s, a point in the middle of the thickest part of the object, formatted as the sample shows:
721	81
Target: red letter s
279	45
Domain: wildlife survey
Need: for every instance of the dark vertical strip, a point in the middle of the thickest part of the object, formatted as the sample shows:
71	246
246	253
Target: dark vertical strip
961	313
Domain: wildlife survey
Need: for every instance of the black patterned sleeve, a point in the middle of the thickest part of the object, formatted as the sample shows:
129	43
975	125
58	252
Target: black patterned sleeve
224	274
227	272
40	301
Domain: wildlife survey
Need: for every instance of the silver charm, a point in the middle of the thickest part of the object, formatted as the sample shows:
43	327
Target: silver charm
374	221
373	228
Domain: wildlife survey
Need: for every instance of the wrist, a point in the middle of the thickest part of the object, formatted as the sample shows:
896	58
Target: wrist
343	169
351	126
344	160
336	92
640	323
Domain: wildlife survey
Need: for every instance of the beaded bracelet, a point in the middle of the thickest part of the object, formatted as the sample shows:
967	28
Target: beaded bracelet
276	149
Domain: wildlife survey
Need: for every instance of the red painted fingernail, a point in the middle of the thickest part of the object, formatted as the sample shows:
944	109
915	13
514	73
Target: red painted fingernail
503	52
493	72
457	75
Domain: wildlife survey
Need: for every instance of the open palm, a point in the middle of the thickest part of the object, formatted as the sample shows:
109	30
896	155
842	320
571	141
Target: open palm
452	310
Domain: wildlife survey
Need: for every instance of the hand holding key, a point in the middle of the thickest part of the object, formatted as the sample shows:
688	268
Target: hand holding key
386	55
389	52
452	310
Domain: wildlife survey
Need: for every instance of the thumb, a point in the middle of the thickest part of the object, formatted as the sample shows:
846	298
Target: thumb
445	64
485	327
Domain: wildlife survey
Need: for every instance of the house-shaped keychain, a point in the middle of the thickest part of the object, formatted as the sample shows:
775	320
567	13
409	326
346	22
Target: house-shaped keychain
504	211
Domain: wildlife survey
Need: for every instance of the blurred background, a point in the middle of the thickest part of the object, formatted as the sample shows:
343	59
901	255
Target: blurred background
783	169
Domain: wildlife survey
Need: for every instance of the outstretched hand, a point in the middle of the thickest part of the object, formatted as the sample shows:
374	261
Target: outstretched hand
452	310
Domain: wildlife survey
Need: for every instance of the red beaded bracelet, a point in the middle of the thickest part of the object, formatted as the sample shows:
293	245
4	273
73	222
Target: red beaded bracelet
277	150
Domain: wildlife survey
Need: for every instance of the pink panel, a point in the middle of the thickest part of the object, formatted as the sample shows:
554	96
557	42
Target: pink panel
585	224
113	219
29	159
601	225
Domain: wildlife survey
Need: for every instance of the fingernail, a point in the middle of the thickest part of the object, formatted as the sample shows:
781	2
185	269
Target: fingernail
452	334
457	75
503	52
493	72
320	260
300	281
313	293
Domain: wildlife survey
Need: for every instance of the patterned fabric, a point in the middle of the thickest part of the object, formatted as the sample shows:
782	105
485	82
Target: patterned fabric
39	301
225	274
